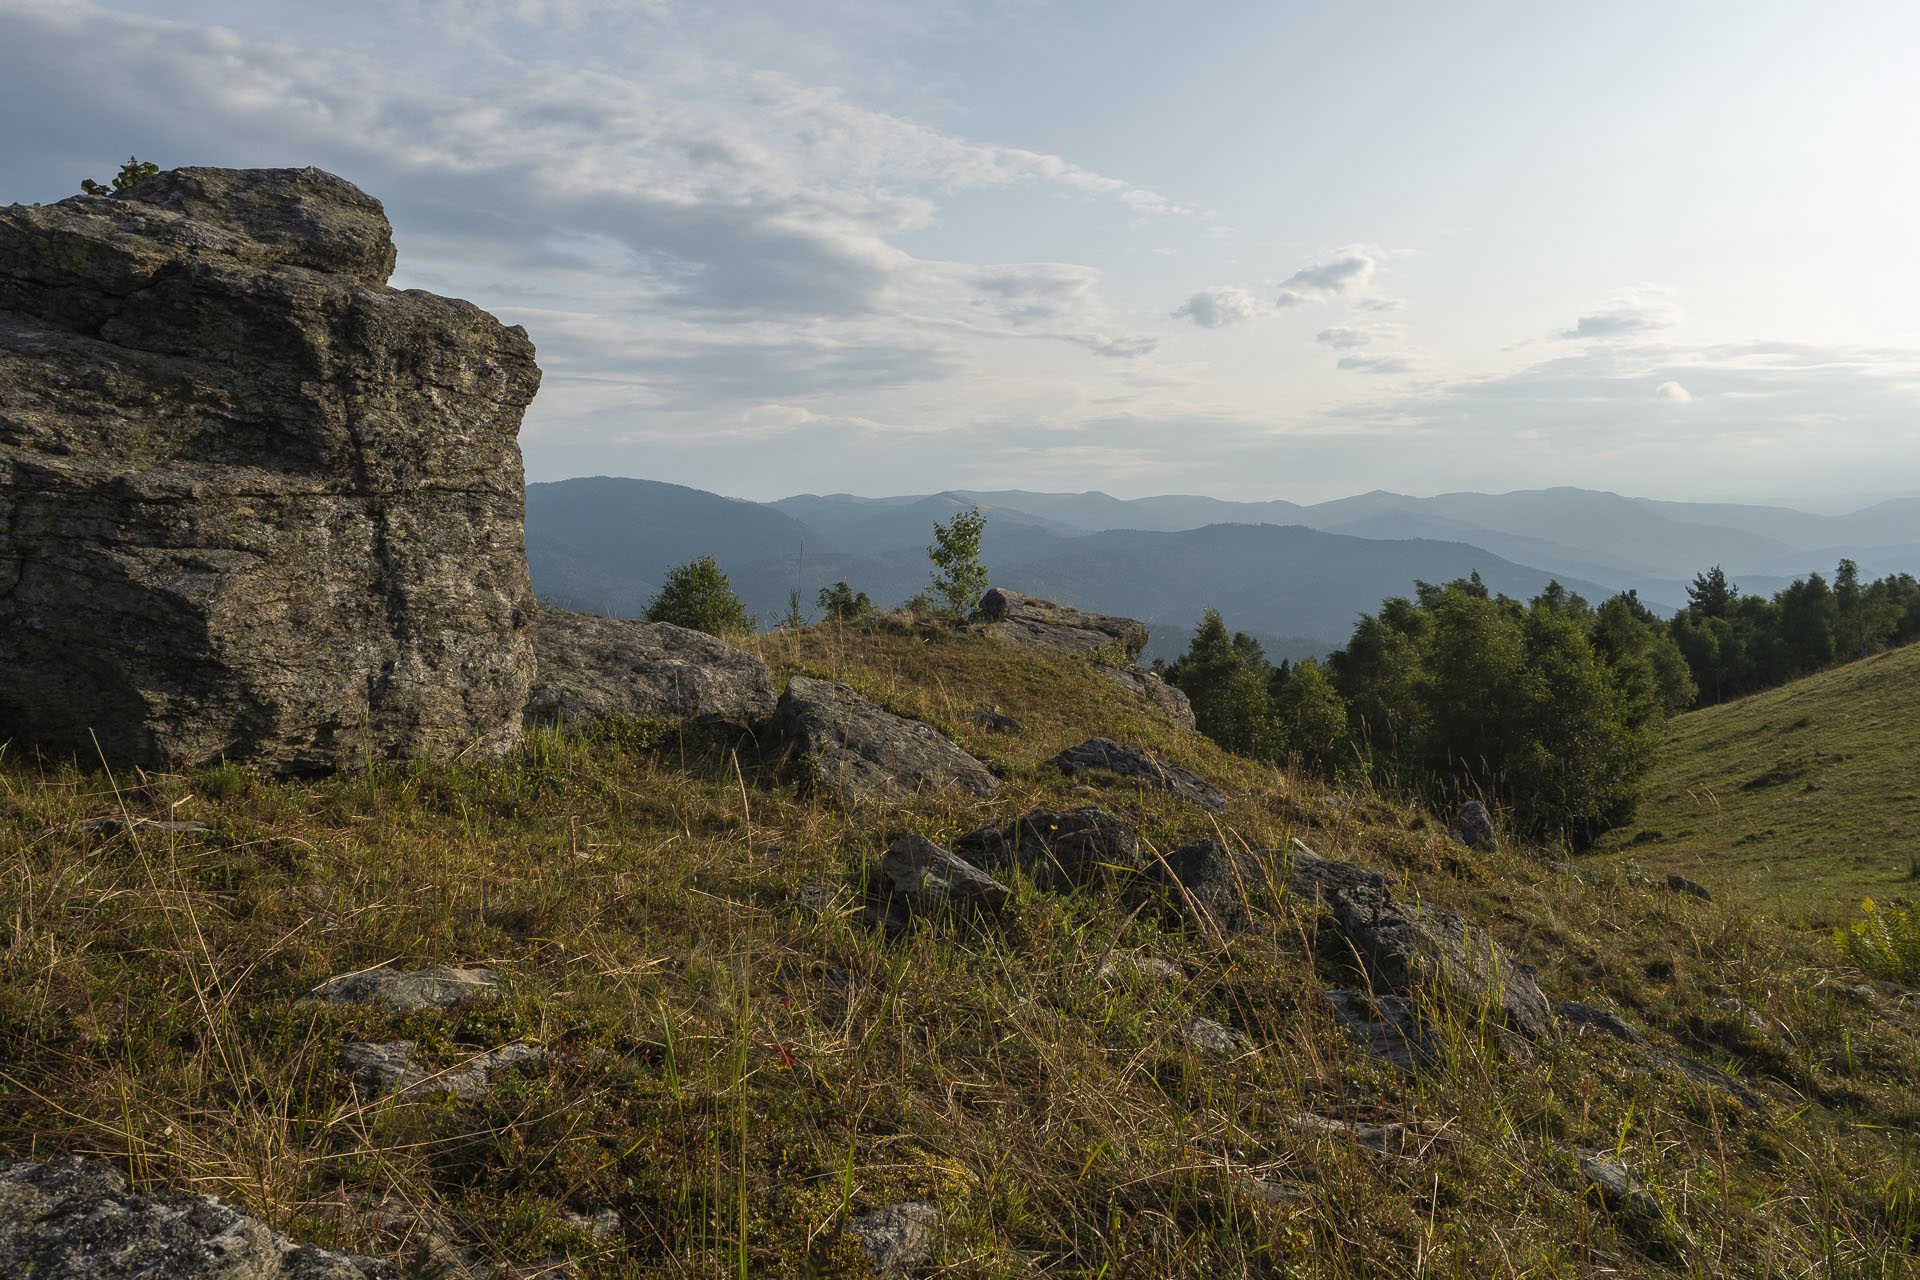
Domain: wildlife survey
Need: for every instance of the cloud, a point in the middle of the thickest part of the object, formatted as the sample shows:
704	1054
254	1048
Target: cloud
1349	274
1628	313
1379	364
1351	337
1672	391
1219	305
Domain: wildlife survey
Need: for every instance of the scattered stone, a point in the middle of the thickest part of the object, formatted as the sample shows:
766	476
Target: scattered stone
1214	1037
403	990
1680	884
258	506
1742	1012
1388	1139
389	1068
1108	756
899	1239
1168	700
1586	1017
858	752
929	880
1019	619
604	1225
993	721
1403	945
1606	1174
75	1219
1215	886
1128	966
1475	828
650	671
1386	1026
1062	847
106	828
1275	1193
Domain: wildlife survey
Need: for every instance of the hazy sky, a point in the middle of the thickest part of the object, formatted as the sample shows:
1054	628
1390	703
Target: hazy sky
1247	249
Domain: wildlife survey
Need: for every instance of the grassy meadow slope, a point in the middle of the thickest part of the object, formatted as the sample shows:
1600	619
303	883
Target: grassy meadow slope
1804	799
740	1064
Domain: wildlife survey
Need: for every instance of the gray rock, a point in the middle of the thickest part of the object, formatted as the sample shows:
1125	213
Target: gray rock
899	1239
1387	1139
1218	888
254	504
930	880
437	987
1386	1026
1107	756
1213	1037
1741	1011
1680	884
1476	827
596	667
994	721
1404	944
1070	846
1586	1018
857	752
1170	701
110	827
1019	619
75	1219
1275	1193
389	1068
604	1225
1608	1176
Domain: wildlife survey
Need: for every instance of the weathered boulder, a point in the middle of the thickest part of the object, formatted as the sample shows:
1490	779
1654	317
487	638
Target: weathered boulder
404	990
1692	888
1387	1139
1388	1027
1170	702
75	1219
858	752
390	1067
1058	846
1106	755
593	667
1405	944
928	879
254	504
1219	889
1019	619
899	1239
1209	1036
1606	1175
1475	828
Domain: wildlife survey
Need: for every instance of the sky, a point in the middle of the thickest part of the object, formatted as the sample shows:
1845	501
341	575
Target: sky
1252	250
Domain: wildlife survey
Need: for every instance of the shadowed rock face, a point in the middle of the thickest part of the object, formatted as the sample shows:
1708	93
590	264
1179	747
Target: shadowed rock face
253	503
1105	755
859	752
592	667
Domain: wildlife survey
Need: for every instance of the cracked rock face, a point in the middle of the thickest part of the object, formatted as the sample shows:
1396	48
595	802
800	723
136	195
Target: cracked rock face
75	1219
254	504
594	667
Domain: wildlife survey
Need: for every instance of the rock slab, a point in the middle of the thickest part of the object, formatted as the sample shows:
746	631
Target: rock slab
592	668
1071	846
439	986
76	1219
1106	755
928	879
254	504
858	752
899	1239
1019	619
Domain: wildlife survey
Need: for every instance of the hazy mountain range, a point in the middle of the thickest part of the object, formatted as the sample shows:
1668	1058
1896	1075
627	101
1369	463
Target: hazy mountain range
1296	576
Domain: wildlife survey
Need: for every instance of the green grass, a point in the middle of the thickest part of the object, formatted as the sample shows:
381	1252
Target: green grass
739	1068
1803	799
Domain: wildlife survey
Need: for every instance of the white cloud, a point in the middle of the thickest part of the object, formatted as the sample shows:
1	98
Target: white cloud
1628	313
1352	337
1219	305
1673	392
1347	274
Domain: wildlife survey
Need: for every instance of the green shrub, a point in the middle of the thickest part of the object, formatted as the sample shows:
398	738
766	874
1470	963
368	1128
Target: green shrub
1883	941
841	604
134	171
955	553
697	595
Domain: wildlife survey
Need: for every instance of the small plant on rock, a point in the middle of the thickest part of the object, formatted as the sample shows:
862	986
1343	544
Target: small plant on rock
134	171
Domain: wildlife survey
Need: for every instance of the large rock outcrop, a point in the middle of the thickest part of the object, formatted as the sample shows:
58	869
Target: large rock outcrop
254	504
856	751
593	667
1042	623
75	1219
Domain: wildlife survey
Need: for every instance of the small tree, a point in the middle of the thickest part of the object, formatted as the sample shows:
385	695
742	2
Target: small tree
132	172
960	579
840	604
697	595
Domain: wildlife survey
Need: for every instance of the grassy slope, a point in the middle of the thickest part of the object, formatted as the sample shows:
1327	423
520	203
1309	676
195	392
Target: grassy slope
1804	799
741	1070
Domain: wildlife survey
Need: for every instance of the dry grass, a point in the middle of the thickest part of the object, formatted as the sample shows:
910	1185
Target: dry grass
741	1063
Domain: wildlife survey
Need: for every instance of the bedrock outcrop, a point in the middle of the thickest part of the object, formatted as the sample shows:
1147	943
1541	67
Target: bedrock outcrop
254	503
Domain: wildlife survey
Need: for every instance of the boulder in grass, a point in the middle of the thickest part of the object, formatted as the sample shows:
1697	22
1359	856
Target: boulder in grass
857	752
899	1239
592	668
930	880
1019	619
403	990
1059	847
1103	755
1475	829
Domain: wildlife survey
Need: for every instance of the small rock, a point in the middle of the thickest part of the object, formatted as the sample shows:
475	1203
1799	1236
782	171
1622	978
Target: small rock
1585	1017
1609	1176
389	1068
1106	755
929	879
1740	1010
1388	1139
603	1225
898	1239
1214	1037
1385	1026
1274	1192
1060	847
994	721
108	827
1127	966
1476	827
1171	702
404	990
1215	886
1680	884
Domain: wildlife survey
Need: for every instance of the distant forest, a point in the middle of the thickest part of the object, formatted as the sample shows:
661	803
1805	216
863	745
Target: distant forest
1550	709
